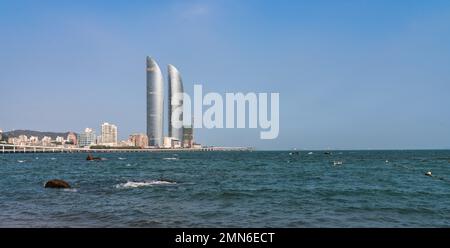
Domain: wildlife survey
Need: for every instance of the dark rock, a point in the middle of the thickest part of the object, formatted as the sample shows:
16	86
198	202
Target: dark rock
57	183
92	158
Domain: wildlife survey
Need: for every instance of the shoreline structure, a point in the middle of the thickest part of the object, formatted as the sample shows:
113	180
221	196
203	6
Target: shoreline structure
7	148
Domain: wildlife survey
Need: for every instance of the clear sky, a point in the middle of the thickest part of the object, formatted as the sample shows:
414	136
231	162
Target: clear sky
351	74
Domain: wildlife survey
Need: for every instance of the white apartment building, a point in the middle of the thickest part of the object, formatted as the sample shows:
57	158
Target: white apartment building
109	134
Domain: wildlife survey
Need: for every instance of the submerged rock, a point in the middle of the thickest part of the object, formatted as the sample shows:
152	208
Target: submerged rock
57	183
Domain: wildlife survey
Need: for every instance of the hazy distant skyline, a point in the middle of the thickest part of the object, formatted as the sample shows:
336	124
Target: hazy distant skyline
351	74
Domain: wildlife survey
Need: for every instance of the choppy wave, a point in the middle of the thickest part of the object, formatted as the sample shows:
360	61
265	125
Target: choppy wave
170	158
131	184
70	190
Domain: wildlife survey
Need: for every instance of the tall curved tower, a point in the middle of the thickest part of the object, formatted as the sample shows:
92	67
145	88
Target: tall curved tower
175	104
155	103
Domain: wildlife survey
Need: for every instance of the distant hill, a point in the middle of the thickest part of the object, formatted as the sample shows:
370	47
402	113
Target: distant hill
17	133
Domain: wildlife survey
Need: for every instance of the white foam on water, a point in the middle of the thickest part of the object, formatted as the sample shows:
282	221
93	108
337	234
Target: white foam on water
170	158
131	184
70	190
122	158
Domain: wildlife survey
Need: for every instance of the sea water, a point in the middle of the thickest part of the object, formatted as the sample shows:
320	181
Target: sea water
228	189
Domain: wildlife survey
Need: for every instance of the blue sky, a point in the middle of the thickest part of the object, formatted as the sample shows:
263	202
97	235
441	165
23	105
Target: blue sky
351	74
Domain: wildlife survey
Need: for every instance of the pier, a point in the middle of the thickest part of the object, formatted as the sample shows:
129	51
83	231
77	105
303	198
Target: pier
8	148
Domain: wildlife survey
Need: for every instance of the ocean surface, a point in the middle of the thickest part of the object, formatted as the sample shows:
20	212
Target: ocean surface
228	189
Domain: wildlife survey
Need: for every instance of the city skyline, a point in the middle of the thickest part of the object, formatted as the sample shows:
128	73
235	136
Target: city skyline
351	75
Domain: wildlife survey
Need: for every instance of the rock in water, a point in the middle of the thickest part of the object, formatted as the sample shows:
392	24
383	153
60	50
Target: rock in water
92	158
57	183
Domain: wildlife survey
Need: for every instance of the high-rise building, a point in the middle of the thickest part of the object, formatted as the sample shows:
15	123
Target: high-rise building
1	134
139	140
155	103
109	134
86	138
188	136
72	138
175	104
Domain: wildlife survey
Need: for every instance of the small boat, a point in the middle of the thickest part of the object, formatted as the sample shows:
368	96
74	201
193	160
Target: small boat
429	174
327	153
310	153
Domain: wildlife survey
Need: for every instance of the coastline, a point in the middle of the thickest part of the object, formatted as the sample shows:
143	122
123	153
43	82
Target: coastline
8	149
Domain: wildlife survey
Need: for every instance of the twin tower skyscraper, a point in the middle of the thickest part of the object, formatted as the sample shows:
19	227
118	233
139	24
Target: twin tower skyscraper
155	103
